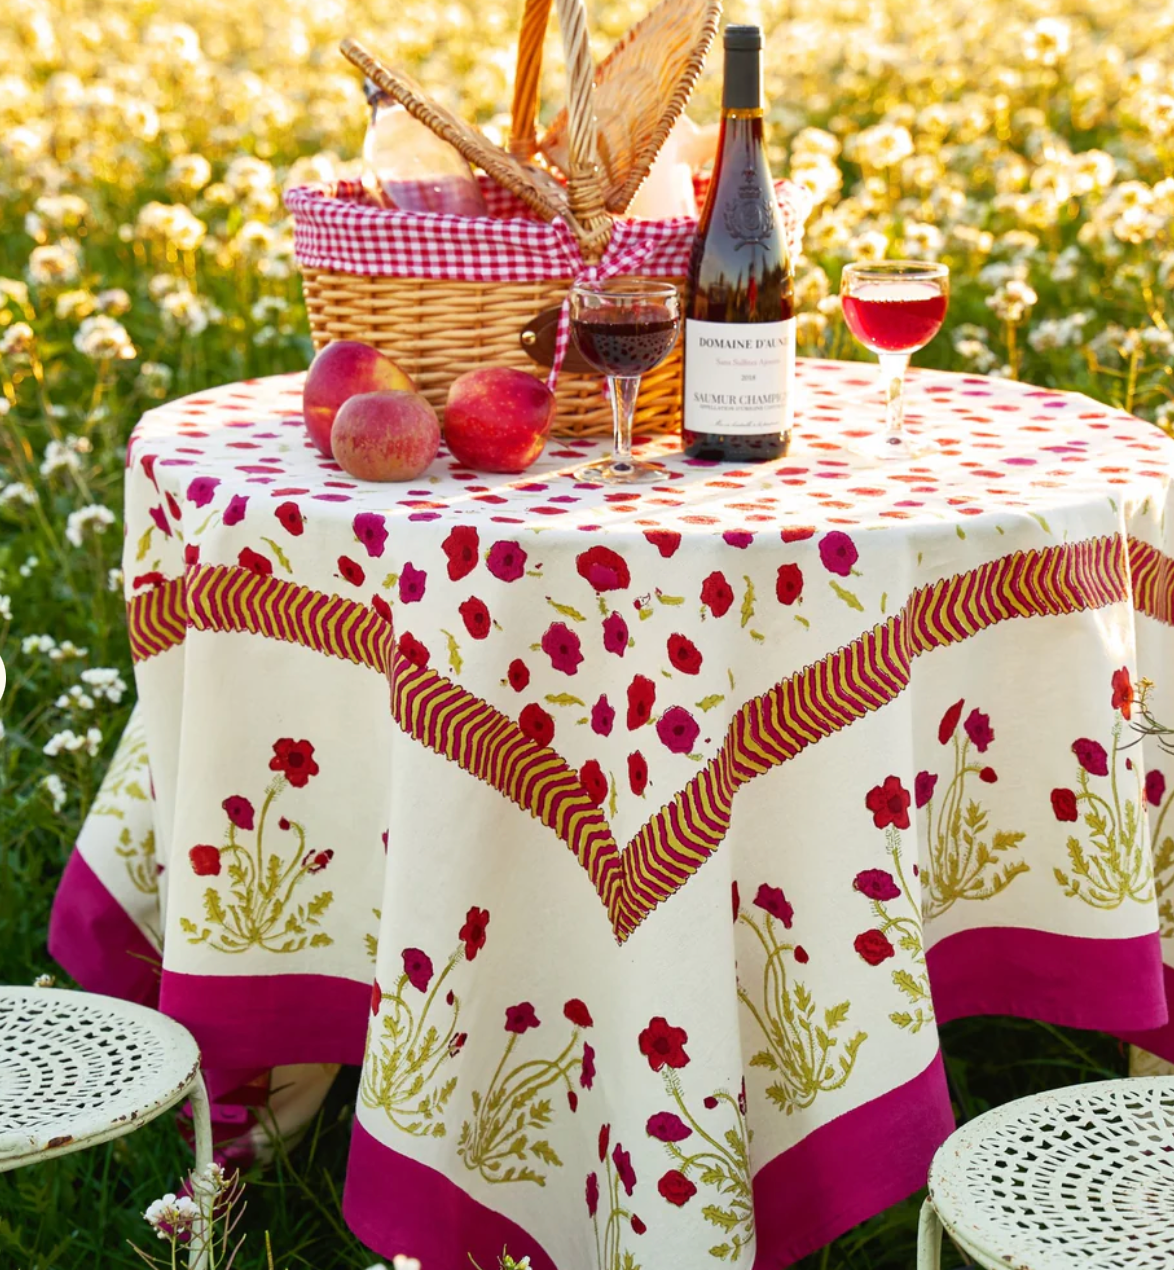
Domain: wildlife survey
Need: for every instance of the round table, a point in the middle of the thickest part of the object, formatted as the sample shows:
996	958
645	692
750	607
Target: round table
697	806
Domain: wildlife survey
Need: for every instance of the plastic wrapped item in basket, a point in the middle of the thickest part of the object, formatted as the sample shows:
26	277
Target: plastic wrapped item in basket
442	295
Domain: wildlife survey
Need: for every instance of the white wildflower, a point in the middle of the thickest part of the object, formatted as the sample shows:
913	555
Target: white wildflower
95	517
829	306
869	246
61	211
75	699
400	1262
1053	333
64	456
1047	41
69	742
37	644
1012	301
17	340
17	494
922	241
1158	340
114	301
5	609
171	223
67	650
103	339
107	684
882	146
12	291
114	580
810	327
154	379
976	353
72	306
189	172
26	569
171	1217
1067	265
46	981
55	265
184	311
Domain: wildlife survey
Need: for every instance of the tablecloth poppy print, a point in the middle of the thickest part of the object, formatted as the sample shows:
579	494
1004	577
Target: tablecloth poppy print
637	841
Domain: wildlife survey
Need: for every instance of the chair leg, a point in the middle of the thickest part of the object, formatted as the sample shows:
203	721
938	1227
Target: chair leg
203	1189
929	1239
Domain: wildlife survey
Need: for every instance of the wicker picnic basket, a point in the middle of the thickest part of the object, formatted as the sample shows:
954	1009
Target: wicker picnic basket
437	328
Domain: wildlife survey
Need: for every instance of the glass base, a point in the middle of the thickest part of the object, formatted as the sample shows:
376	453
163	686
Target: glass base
894	445
614	471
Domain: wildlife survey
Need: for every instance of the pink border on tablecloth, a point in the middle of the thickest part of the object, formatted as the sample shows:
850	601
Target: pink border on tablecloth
1104	985
257	1021
94	939
397	1205
1159	1041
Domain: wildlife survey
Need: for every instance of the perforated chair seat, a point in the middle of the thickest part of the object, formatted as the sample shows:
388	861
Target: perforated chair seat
1073	1179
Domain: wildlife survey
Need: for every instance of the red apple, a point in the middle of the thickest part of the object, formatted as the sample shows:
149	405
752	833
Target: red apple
341	370
497	419
385	436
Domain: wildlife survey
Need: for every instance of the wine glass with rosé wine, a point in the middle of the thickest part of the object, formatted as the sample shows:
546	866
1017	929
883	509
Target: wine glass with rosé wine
895	307
624	327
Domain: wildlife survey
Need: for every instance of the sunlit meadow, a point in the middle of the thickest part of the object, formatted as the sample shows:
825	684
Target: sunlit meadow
145	253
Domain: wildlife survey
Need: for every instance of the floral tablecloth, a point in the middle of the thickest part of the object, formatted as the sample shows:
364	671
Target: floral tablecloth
636	841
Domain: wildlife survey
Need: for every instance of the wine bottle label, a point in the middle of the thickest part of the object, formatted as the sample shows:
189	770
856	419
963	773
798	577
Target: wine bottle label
739	376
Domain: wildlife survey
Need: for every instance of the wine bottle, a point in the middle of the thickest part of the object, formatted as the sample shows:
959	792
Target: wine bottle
739	307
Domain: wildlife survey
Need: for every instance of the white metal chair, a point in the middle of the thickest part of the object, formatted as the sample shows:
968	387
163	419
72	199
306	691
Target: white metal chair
1074	1178
77	1070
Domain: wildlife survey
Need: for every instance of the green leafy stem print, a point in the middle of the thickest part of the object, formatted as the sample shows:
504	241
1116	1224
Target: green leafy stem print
1156	796
263	909
610	1253
505	1141
802	1047
1116	865
882	889
720	1162
966	862
141	867
403	1063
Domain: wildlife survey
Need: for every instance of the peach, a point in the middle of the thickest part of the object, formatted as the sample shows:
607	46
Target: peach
385	436
497	419
341	370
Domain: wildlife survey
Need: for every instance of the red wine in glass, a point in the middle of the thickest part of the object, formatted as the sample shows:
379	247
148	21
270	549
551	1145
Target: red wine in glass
895	307
621	344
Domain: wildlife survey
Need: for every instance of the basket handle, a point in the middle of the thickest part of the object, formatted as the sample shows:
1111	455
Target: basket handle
524	129
591	222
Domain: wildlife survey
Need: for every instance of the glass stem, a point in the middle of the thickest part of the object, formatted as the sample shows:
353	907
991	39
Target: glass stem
624	390
893	367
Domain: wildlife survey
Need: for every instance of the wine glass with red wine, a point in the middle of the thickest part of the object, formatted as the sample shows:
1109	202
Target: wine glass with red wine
894	308
624	327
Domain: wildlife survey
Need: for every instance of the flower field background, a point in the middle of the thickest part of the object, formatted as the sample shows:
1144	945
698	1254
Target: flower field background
145	253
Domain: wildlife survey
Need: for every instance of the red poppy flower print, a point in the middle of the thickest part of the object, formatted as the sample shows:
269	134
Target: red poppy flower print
461	547
587	1071
418	968
152	579
1064	805
234	513
291	518
411	648
838	553
592	1194
1155	787
457	1044
1123	692
576	1012
988	776
923	787
664	540
1091	756
520	1018
641	699
294	760
949	722
202	490
474	932
603	569
476	618
874	947
665	1126
316	861
536	724
801	955
191	553
563	647
889	804
506	561
789	583
877	884
797	533
709	1102
676	1187
615	634
351	570
664	1045
740	538
412	584
716	594
638	1227
381	606
684	655
603	716
255	562
678	730
518	675
159	516
239	811
172	506
205	861
371	530
637	773
594	782
376	997
623	1162
736	899
772	900
978	729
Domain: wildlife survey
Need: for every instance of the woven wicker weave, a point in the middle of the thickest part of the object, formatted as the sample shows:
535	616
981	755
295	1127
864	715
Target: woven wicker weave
438	330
